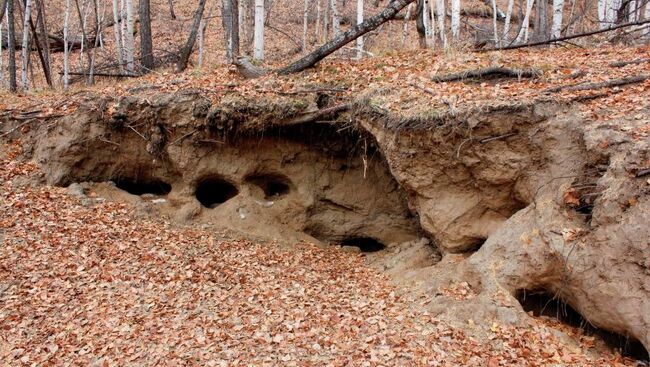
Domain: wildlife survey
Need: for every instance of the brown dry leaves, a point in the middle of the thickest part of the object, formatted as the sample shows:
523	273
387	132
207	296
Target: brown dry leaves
92	286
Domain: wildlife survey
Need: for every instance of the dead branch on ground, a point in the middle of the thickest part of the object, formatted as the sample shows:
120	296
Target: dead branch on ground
488	72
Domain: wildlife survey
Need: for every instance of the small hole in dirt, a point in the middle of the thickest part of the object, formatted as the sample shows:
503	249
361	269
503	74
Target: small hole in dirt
365	244
213	191
542	304
273	185
143	186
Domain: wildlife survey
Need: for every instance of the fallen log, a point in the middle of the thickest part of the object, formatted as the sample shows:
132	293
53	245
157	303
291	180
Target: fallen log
599	85
620	64
499	72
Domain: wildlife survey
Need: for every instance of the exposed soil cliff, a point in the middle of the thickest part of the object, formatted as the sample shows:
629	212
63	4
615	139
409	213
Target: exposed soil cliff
519	199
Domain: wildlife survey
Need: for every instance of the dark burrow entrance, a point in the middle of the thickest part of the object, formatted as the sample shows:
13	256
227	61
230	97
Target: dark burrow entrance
542	304
212	191
274	186
365	244
142	186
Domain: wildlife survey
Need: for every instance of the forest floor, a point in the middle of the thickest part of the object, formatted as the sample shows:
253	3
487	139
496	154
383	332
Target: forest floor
92	286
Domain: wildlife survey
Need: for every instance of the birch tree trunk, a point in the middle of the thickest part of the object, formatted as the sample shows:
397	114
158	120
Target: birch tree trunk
231	26
146	42
541	21
426	22
11	45
258	40
305	13
495	25
336	19
118	35
359	21
556	28
432	11
632	11
646	15
522	36
602	14
440	16
129	44
189	45
611	10
455	19
25	46
45	45
506	25
66	46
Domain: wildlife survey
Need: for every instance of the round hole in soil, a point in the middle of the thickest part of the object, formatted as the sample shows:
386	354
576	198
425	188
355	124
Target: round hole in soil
539	303
143	186
213	191
274	186
365	244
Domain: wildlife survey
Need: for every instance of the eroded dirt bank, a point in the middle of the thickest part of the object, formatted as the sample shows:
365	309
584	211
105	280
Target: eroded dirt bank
507	202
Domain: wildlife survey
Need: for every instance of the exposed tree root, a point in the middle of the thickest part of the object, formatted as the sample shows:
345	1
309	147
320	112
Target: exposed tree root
499	72
606	84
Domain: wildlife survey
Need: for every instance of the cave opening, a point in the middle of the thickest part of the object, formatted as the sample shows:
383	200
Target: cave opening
141	186
541	304
365	244
274	186
213	191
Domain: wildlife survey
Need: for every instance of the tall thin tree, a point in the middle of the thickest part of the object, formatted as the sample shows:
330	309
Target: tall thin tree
117	29
146	43
11	46
258	40
186	51
455	19
359	21
25	46
66	45
556	27
129	44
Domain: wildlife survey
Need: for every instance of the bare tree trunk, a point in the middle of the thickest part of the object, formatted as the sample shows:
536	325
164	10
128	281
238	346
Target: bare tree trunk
45	45
2	10
419	23
146	43
26	48
455	19
506	26
171	9
228	28
359	21
522	36
11	45
556	28
495	25
344	38
66	51
117	29
317	27
541	21
186	51
202	27
305	16
336	19
258	42
129	44
440	16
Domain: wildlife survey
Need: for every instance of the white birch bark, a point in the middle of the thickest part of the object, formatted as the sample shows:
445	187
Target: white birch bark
258	40
426	21
506	25
406	23
602	14
455	18
523	32
118	35
336	19
632	11
556	27
495	25
25	46
129	44
66	47
611	12
359	21
440	16
305	14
